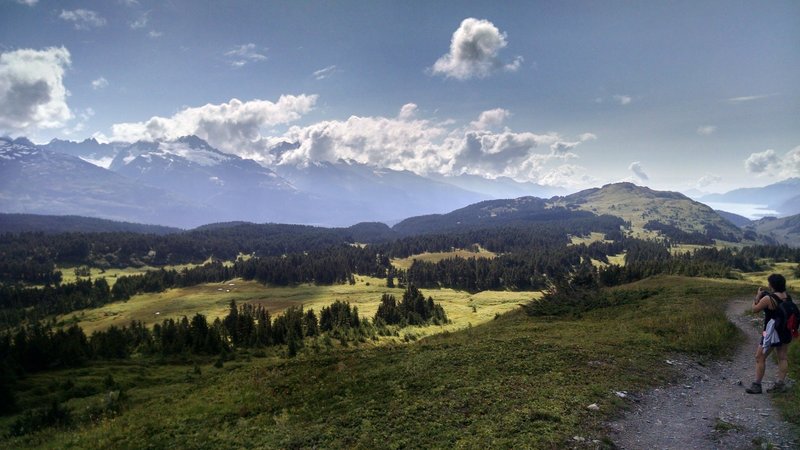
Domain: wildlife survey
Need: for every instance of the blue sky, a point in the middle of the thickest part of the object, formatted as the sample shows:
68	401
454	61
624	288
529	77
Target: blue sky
675	95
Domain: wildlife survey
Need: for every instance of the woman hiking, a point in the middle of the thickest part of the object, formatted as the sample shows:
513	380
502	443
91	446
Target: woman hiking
772	337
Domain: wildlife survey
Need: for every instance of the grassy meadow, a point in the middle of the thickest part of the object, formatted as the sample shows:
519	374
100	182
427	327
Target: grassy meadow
434	257
516	381
212	300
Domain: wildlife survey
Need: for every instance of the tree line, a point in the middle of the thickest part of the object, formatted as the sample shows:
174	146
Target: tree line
43	346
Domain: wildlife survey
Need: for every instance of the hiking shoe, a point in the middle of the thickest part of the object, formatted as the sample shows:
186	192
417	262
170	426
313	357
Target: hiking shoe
779	386
754	388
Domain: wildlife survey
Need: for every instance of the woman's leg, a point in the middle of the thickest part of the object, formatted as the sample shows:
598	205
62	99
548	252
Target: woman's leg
783	362
761	362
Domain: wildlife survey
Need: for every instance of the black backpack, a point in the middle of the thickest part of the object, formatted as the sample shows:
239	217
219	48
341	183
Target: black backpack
788	317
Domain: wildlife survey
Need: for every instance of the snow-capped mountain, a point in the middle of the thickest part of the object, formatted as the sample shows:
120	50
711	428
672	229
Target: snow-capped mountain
89	150
237	188
187	182
34	179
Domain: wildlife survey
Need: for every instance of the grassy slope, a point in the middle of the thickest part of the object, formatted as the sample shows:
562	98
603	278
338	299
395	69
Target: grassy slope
212	300
434	257
514	382
640	205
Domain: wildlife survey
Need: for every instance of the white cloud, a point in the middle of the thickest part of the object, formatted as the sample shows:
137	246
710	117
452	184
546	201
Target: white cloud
749	98
426	147
490	119
155	34
28	2
623	99
82	19
707	180
100	83
408	111
474	50
706	130
569	176
321	74
141	21
243	54
638	170
761	162
129	2
32	92
770	163
587	137
234	127
404	142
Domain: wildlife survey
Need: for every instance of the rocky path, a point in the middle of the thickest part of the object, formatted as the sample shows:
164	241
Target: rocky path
708	408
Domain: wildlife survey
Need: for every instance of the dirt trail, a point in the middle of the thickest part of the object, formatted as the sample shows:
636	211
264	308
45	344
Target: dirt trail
708	408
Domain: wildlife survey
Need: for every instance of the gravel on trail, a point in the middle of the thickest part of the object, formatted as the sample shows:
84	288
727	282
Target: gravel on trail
708	407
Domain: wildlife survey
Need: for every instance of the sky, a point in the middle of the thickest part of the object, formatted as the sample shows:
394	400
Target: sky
683	95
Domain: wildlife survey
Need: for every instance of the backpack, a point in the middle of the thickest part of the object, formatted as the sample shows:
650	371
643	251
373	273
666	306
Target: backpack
789	316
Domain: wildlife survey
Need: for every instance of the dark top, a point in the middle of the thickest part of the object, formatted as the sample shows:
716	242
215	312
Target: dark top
783	332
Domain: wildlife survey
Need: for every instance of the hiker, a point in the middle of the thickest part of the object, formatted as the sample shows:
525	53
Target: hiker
768	303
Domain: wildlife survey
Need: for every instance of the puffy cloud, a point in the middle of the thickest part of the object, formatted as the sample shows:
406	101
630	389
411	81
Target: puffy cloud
408	111
100	83
474	52
490	119
638	170
82	19
568	175
426	147
234	126
404	142
761	162
623	99
706	130
321	74
770	163
707	180
32	92
792	162
243	54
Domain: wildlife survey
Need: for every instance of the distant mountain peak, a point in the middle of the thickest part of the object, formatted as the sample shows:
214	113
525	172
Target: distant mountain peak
23	141
641	205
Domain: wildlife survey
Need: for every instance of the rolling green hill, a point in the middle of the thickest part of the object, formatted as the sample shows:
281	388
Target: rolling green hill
16	223
640	205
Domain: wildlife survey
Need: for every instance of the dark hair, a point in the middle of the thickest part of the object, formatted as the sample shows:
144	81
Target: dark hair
777	282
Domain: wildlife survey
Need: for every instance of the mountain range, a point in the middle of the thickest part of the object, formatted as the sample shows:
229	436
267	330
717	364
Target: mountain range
782	197
187	183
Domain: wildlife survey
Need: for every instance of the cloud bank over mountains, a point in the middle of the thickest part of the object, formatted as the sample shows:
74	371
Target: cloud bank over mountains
405	142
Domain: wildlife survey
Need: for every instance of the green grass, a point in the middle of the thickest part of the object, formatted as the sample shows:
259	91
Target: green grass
111	274
786	402
783	268
434	257
516	381
589	239
212	300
